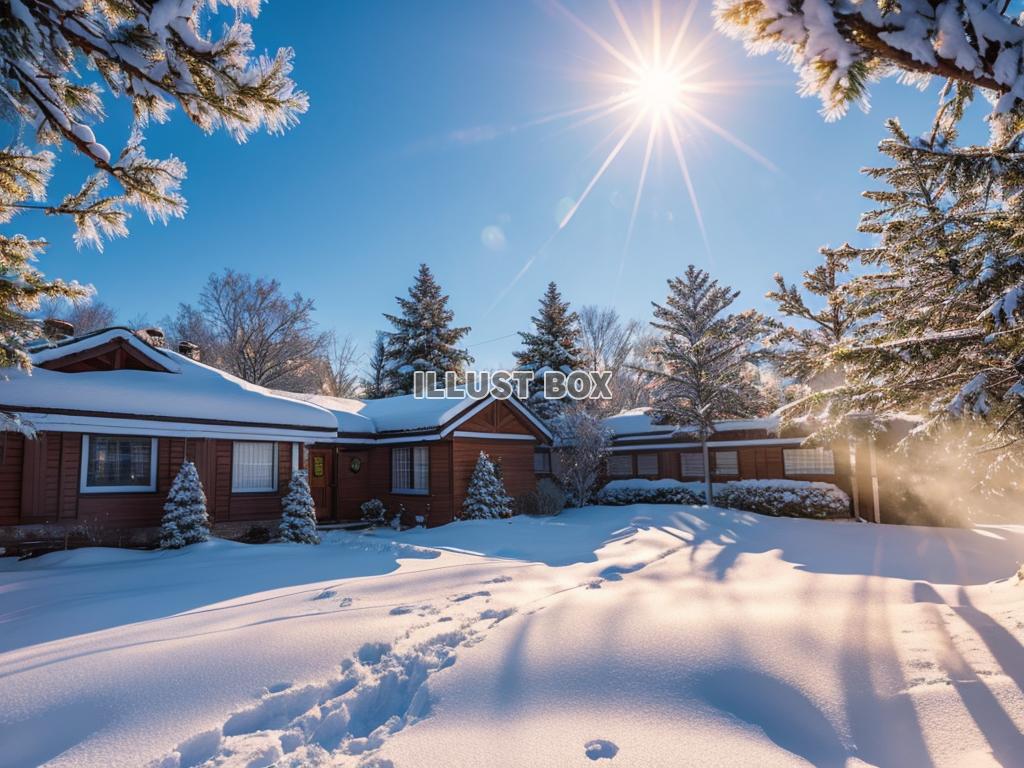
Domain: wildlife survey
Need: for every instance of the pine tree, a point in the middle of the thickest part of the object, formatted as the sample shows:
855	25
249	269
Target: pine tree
185	520
486	496
805	354
155	56
423	338
946	298
706	358
839	47
375	381
298	515
552	345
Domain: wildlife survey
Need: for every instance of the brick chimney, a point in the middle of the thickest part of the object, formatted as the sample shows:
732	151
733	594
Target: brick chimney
57	330
188	349
152	336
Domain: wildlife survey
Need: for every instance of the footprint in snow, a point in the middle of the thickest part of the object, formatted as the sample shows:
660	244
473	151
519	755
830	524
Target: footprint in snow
277	688
497	580
401	610
327	594
470	596
597	749
345	602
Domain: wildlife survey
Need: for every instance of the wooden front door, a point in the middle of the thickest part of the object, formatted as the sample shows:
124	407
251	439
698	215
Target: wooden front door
321	482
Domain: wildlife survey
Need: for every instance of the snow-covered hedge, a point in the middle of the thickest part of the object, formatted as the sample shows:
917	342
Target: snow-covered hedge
790	498
618	493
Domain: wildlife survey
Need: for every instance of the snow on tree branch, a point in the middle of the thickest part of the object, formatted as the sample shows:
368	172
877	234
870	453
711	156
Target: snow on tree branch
838	47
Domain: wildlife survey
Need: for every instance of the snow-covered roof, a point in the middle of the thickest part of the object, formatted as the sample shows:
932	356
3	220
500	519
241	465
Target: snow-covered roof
191	398
638	422
404	413
391	414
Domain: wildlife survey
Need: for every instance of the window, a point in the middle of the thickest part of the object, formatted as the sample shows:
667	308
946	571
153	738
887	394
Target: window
692	464
254	468
410	469
116	464
808	461
542	462
620	466
727	463
646	464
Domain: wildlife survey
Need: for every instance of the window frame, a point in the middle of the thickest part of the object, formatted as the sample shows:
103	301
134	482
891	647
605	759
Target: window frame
414	450
622	456
817	473
736	458
657	464
545	457
83	485
276	459
682	464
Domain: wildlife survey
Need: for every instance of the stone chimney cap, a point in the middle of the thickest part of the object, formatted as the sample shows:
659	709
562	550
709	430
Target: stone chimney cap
56	330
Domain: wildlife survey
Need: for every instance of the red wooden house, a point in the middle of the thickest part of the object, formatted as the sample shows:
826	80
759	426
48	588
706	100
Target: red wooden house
114	414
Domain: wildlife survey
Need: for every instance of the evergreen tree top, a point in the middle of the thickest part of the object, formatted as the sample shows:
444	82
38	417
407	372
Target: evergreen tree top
554	342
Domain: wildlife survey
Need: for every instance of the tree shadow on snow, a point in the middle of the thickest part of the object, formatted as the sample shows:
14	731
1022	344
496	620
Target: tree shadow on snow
782	712
941	555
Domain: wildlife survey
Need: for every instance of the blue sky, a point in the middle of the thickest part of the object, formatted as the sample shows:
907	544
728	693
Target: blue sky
416	142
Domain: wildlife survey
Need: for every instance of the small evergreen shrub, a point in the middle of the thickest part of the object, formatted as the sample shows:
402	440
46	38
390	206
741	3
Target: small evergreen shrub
618	493
786	498
374	512
185	520
486	496
298	515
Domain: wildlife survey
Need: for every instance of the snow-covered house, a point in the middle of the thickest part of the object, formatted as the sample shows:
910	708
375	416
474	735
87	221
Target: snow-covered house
752	449
114	415
417	455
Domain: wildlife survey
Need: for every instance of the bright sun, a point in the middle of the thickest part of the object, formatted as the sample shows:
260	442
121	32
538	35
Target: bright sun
657	90
658	83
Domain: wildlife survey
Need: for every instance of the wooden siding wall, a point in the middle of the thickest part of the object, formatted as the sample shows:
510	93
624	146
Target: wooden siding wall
40	479
12	449
755	463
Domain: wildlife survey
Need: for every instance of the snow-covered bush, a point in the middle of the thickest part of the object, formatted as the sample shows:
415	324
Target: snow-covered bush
546	499
486	496
298	515
790	498
185	520
374	512
621	492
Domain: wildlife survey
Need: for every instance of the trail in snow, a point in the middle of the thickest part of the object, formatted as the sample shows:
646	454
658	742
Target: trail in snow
380	690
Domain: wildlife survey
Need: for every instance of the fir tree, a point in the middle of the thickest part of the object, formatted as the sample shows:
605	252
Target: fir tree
805	354
423	338
486	496
706	358
552	345
155	56
946	298
298	515
185	520
375	381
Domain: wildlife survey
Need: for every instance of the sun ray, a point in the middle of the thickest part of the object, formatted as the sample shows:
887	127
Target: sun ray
600	171
628	32
677	146
661	77
597	38
652	135
684	26
748	150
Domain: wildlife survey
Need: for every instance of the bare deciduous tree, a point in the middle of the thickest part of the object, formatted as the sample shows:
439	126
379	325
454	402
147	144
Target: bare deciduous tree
87	315
339	377
580	453
256	332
